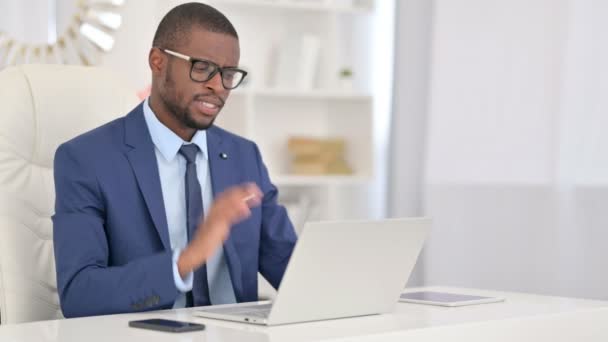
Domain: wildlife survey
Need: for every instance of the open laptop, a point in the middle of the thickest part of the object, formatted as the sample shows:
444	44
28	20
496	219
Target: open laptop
338	269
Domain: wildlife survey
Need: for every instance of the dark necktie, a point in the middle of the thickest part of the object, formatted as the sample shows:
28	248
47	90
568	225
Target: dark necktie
194	213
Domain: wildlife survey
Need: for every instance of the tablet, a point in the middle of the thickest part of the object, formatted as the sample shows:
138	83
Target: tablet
446	299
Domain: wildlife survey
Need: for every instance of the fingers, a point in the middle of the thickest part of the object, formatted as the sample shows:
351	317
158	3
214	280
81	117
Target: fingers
230	207
247	193
239	209
234	204
253	196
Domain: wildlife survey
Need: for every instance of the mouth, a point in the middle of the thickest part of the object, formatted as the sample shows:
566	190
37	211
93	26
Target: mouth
207	108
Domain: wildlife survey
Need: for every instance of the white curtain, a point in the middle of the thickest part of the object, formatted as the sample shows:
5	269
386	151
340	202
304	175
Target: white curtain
515	167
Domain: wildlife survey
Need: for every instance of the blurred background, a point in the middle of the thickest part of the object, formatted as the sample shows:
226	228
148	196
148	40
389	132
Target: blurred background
486	115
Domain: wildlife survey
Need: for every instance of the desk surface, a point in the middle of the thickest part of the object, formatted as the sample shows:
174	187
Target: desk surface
522	317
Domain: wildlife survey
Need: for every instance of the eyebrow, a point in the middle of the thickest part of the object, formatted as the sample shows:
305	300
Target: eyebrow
209	60
191	58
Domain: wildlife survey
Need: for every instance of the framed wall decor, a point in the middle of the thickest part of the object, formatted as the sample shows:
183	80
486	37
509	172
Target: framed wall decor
86	35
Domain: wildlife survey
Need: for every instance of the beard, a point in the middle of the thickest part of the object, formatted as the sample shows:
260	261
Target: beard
182	114
185	116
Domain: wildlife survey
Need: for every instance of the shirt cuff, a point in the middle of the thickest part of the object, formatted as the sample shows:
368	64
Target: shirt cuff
183	285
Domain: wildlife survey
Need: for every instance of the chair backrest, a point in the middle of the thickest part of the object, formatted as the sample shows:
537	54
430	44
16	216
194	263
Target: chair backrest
42	106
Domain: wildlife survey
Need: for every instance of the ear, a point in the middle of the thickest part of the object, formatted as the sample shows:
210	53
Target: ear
156	60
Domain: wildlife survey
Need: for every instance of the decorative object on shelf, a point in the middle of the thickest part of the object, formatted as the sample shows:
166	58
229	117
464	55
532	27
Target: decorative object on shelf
298	63
346	78
86	37
314	156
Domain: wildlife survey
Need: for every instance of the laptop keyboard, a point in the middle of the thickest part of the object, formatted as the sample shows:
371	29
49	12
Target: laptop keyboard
261	311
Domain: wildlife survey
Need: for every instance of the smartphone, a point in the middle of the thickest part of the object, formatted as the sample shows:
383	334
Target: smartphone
166	325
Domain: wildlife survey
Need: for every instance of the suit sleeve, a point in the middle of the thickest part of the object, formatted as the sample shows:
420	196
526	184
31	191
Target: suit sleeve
278	236
87	285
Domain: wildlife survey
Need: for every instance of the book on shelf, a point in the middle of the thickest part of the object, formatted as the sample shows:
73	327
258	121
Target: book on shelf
298	63
314	156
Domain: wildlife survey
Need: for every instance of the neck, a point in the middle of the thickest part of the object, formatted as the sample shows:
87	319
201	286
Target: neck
164	115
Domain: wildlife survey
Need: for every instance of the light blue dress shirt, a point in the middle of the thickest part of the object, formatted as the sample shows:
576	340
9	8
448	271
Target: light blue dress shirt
172	171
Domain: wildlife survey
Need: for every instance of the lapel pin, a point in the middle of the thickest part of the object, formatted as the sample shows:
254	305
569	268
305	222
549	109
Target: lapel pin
223	156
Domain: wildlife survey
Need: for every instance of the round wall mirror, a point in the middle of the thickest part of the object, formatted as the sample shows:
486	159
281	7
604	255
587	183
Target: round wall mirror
57	31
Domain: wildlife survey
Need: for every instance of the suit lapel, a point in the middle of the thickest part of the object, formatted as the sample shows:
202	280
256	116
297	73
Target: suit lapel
143	161
222	166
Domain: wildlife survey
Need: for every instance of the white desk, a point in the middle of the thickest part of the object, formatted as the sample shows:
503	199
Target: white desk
521	317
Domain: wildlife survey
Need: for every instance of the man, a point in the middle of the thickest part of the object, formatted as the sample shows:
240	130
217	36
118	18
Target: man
161	209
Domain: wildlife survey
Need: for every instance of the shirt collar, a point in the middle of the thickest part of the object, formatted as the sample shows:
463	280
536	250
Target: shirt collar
165	140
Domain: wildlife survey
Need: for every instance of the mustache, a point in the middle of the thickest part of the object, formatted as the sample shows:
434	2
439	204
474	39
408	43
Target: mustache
212	98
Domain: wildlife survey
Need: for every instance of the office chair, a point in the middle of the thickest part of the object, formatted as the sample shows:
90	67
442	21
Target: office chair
42	106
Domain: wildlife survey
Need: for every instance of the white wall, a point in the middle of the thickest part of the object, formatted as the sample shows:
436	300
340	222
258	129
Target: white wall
515	142
33	30
133	42
495	63
410	111
410	105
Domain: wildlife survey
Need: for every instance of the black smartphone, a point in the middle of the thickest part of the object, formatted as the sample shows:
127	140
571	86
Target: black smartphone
166	325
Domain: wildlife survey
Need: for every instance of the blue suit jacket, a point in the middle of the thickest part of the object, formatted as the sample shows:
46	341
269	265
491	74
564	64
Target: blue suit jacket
112	248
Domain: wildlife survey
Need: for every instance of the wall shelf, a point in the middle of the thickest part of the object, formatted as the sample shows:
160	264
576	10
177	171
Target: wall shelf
321	180
321	94
355	7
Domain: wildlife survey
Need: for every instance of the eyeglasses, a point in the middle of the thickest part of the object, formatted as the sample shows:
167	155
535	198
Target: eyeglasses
202	70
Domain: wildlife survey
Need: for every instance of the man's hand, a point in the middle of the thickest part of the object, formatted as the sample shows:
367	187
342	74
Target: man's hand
230	207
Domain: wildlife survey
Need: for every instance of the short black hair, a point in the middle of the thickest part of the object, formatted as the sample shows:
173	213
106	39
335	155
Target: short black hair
177	23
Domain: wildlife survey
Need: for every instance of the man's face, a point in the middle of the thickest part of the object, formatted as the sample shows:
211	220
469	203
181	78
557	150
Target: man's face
196	105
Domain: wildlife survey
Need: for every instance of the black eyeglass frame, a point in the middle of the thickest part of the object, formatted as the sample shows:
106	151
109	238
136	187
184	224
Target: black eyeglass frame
216	67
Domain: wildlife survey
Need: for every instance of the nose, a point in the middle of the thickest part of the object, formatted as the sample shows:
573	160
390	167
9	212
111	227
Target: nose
215	83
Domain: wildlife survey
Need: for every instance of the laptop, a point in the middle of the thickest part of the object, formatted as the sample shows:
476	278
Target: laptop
338	269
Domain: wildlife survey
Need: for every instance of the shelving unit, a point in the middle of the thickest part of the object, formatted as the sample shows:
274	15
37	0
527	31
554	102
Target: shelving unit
271	119
270	114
